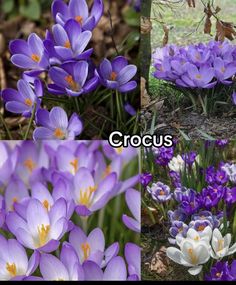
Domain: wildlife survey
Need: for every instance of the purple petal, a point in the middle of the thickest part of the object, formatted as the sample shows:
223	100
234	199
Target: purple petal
116	270
58	118
23	61
119	63
131	223
105	69
128	87
133	200
43	133
92	271
126	74
234	97
19	47
78	8
33	262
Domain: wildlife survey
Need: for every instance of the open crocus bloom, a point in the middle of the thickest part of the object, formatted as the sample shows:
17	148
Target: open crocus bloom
221	245
29	55
64	269
92	247
191	254
73	79
14	261
40	229
133	200
70	41
117	74
192	234
56	126
115	270
177	164
79	11
90	196
24	100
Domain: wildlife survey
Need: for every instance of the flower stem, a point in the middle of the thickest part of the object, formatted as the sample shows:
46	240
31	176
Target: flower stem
5	126
84	221
30	122
77	105
101	217
118	108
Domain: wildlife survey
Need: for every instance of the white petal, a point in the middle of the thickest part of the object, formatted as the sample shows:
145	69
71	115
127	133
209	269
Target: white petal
195	270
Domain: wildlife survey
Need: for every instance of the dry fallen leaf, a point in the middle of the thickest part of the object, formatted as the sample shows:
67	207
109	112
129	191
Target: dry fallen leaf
225	30
166	35
145	98
160	262
191	3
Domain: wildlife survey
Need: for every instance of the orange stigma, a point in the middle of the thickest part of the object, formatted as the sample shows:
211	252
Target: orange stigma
86	250
59	134
28	102
30	165
113	76
67	44
73	85
35	57
46	205
79	19
75	165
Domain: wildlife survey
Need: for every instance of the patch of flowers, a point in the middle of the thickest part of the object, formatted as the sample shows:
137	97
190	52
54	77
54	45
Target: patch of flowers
63	209
193	189
198	67
65	58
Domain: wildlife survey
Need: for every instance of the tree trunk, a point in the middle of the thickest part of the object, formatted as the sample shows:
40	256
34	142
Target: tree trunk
145	46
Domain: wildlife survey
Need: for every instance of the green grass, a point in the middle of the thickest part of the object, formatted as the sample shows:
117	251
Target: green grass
184	21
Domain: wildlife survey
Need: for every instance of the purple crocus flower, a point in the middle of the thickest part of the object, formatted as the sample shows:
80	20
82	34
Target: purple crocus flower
224	71
133	201
200	225
29	55
23	100
177	215
55	125
175	178
206	216
133	258
198	77
92	247
14	261
70	41
191	202
79	11
8	160
117	74
222	143
115	271
232	270
90	196
163	155
160	192
212	195
178	228
190	157
145	179
130	109
72	78
221	177
219	272
67	268
39	229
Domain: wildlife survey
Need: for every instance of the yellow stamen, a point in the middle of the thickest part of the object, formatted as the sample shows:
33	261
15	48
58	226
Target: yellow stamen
79	19
218	274
28	102
198	76
67	44
197	238
73	85
46	205
162	193
30	165
198	56
85	197
119	150
220	245
35	57
43	234
75	165
180	230
86	250
192	256
107	172
223	70
113	76
59	134
11	268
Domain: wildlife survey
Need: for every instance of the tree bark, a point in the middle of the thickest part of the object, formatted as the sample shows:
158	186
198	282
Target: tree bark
145	46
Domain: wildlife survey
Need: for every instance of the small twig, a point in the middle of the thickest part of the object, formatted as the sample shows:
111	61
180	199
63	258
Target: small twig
112	32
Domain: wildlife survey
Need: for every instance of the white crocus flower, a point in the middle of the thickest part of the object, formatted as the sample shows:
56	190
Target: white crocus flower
191	254
177	164
192	234
221	245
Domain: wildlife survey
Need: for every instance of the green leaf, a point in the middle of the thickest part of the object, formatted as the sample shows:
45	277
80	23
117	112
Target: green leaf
206	136
132	18
32	10
185	136
7	6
